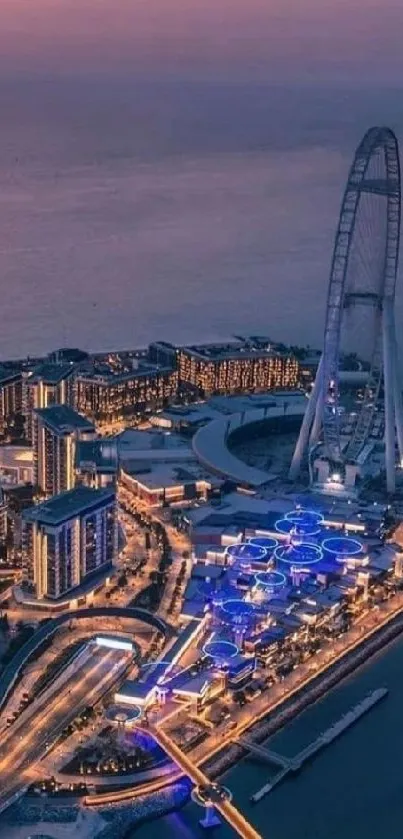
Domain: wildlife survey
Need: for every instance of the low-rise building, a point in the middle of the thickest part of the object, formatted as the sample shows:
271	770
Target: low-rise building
241	366
106	395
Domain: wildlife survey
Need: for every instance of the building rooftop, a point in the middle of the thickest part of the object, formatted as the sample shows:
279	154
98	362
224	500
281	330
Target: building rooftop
7	374
99	454
51	374
106	374
62	419
218	407
68	504
253	347
160	476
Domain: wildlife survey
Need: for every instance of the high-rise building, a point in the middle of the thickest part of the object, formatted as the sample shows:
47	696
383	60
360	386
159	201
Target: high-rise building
10	396
48	384
68	539
238	367
106	396
56	432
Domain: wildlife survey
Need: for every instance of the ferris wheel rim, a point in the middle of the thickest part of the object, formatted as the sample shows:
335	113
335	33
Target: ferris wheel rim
376	139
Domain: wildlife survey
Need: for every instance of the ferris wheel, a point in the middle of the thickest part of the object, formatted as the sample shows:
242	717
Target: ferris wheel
360	311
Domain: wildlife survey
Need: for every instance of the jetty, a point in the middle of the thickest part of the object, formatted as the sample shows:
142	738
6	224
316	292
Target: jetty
294	764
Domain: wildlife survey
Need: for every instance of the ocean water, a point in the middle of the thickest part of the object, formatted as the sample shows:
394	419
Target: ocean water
133	209
353	788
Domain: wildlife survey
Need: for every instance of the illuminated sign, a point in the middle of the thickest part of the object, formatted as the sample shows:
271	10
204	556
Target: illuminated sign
114	643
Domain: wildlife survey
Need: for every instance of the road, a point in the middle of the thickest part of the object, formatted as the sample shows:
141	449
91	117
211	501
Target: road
21	751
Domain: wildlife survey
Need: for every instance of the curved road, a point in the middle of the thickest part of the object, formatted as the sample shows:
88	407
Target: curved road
48	629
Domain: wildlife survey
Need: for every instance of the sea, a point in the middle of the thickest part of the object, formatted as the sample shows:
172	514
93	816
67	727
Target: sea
133	210
353	788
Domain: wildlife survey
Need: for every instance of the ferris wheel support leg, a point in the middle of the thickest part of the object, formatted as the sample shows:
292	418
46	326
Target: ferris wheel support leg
388	386
317	423
309	415
398	395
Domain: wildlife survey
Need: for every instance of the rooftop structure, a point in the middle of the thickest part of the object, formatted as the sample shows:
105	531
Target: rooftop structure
63	419
67	505
212	442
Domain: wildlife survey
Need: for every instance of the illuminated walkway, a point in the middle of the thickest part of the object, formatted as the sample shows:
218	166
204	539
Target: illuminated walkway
225	808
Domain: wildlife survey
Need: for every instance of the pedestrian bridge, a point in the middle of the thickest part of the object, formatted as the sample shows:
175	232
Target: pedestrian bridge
224	806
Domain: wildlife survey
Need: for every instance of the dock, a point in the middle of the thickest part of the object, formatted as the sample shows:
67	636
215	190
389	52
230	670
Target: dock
294	764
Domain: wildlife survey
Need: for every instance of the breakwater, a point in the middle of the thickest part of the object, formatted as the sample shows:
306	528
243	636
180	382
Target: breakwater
338	728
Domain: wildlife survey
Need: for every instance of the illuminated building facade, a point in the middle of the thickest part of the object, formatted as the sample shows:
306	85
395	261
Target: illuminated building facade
49	384
10	396
69	538
109	396
236	368
56	432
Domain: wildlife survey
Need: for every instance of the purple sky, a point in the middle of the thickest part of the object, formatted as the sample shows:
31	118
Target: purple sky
174	168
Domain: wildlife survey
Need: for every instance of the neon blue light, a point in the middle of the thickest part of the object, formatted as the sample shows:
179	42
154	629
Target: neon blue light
246	552
286	527
265	542
270	579
221	650
300	555
238	612
304	517
342	546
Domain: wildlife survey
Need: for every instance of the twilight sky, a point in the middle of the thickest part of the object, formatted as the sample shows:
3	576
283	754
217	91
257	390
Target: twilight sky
174	168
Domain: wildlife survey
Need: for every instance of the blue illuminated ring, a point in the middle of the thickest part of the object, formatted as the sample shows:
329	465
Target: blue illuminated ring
277	579
342	546
265	542
296	554
242	612
302	517
246	551
221	649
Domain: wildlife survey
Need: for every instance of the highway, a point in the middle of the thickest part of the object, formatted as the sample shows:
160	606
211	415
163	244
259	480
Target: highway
230	813
22	747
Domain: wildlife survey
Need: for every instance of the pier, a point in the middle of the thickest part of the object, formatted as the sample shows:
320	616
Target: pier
293	764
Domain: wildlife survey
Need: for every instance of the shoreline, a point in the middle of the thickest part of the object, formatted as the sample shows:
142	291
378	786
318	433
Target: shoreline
307	695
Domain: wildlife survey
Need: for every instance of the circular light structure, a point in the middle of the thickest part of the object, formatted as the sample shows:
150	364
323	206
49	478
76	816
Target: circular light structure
265	542
299	555
238	612
284	526
306	518
221	650
270	580
243	553
304	522
122	715
342	547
